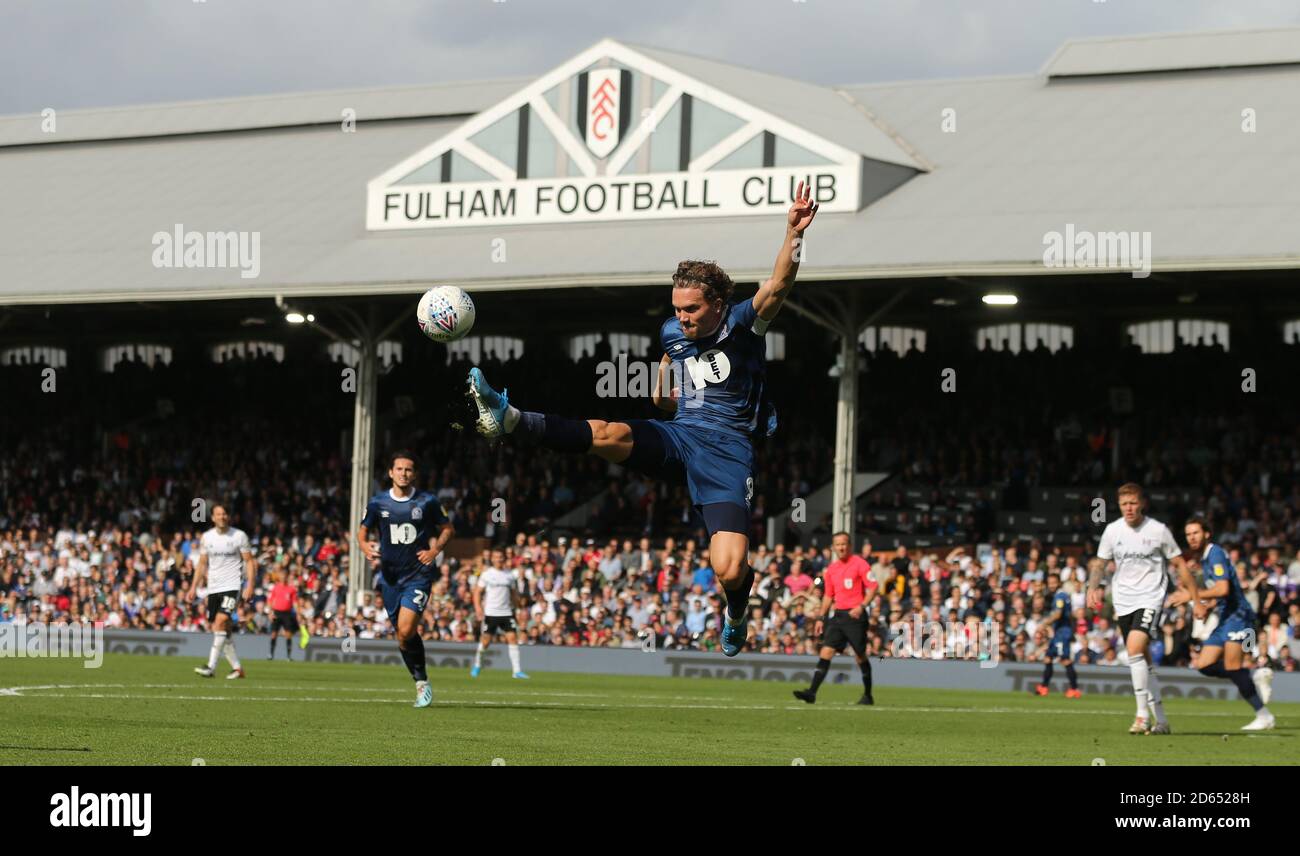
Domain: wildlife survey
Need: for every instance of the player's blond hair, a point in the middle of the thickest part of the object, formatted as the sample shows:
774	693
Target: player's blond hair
1131	489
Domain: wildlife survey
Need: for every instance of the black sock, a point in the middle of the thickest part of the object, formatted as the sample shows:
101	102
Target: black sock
288	649
1245	686
738	597
272	646
556	432
865	666
1073	676
413	657
1215	670
1047	673
823	665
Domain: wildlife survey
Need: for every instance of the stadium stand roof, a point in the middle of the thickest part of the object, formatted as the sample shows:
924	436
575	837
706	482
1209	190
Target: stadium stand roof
1086	142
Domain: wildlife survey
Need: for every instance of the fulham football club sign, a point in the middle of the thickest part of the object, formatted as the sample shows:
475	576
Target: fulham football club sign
619	134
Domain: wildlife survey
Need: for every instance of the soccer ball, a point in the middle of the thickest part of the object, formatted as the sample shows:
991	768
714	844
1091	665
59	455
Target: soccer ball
445	313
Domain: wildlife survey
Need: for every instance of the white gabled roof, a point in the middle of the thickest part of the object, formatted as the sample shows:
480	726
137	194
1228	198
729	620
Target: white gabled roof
818	109
1175	52
1165	153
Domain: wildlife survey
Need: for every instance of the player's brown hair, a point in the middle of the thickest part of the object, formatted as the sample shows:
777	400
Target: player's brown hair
1132	488
1199	521
707	276
403	453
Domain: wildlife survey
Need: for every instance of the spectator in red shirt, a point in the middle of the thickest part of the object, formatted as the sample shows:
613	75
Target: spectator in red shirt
849	586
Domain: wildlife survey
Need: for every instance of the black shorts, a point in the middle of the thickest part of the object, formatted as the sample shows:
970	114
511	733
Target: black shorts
222	601
284	620
1146	620
842	629
498	624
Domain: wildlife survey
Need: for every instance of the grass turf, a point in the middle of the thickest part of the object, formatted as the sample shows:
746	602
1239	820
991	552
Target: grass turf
155	710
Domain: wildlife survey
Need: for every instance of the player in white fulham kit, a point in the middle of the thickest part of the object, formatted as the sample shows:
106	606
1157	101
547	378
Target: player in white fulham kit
225	555
495	596
1139	548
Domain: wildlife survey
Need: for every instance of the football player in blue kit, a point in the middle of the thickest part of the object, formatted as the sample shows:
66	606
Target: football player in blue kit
412	528
1058	650
718	350
1221	653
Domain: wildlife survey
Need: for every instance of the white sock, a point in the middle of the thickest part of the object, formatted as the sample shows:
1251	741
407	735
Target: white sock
478	657
1263	711
231	657
1137	668
514	657
1153	695
512	417
218	643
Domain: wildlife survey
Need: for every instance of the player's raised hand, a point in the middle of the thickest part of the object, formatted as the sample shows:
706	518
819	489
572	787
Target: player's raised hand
802	211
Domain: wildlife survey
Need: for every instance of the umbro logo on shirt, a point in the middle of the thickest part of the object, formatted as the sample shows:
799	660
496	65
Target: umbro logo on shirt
383	514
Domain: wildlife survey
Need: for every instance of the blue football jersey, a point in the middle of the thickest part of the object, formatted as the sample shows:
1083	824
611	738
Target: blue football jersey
722	374
1063	602
1215	566
405	527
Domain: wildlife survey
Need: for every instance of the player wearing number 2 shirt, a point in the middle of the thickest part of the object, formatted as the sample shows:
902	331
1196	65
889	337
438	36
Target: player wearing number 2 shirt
412	529
847	584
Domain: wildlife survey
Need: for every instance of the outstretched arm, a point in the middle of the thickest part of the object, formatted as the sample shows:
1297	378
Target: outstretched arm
772	293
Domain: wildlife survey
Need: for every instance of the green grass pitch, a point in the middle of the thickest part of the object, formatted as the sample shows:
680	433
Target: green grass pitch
155	710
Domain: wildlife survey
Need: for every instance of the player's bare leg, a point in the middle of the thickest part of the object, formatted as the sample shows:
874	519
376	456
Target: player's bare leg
412	648
729	552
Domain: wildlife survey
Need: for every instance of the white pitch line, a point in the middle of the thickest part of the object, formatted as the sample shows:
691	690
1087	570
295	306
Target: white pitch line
842	707
246	687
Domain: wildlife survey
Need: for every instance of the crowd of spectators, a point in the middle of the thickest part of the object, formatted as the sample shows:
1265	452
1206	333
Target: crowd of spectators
98	484
630	594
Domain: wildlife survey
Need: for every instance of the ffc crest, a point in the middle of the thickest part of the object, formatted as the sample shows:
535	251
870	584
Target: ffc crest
604	108
417	513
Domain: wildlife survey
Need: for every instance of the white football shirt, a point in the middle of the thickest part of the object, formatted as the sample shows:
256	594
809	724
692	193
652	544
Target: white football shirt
1141	557
497	585
225	557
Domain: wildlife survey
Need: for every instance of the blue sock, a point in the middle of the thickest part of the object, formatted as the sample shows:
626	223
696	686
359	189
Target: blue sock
556	432
1073	676
1215	670
738	597
1245	686
1047	673
413	657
